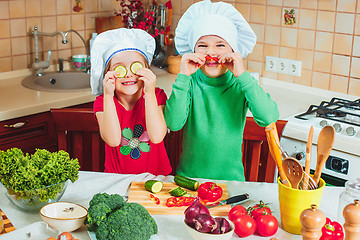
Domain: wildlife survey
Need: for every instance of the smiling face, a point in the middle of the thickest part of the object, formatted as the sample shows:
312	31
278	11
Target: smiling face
214	47
129	84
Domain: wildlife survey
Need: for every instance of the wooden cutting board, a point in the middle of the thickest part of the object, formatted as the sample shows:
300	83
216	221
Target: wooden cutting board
8	227
140	195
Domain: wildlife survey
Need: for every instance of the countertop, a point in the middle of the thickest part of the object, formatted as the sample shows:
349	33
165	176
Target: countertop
171	227
17	100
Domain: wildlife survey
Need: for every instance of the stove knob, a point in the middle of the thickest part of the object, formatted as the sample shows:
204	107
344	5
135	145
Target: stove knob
323	123
337	127
300	155
350	131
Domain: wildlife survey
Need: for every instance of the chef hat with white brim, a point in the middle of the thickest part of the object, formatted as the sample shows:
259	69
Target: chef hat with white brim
108	43
220	19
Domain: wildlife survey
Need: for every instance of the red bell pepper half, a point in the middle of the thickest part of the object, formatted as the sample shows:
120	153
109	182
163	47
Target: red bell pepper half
332	231
209	192
155	199
215	59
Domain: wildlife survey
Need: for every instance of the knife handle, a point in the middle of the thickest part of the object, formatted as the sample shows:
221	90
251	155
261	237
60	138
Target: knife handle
237	198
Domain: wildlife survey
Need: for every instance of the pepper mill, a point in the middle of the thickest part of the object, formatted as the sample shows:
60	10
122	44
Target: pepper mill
312	221
352	221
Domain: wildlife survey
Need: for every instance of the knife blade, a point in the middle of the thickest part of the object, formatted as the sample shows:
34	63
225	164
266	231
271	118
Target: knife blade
230	200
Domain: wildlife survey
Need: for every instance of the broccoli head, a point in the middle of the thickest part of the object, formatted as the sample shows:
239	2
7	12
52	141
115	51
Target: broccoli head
114	201
98	213
98	198
131	222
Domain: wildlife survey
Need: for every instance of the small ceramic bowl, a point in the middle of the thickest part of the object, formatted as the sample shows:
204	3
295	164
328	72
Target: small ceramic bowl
64	216
196	235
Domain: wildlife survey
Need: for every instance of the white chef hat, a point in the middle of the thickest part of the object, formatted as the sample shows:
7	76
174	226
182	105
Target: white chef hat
108	43
220	19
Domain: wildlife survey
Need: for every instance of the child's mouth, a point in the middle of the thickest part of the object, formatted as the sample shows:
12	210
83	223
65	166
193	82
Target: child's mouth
212	61
129	83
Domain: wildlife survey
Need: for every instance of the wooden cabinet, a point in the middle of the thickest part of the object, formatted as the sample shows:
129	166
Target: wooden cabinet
30	132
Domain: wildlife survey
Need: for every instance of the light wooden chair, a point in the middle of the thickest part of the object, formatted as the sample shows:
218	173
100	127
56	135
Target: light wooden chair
78	134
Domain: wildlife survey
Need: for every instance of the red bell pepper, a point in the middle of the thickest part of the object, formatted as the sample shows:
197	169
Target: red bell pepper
209	192
155	199
179	201
209	58
332	231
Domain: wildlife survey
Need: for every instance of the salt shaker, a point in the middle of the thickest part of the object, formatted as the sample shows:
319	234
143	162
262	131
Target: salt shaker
312	221
352	221
352	192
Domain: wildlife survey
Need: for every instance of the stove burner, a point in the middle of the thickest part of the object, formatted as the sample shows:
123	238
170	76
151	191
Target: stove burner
329	113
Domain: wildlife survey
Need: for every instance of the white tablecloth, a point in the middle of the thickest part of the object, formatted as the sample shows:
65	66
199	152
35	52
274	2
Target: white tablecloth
171	227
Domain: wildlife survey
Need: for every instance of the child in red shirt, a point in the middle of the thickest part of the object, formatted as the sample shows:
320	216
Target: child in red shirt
130	108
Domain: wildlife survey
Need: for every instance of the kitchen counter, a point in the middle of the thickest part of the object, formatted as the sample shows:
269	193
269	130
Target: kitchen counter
171	227
17	100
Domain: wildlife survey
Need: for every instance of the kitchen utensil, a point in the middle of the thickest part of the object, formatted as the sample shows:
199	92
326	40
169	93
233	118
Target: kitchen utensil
160	54
311	183
168	36
312	221
325	143
293	171
308	157
231	200
273	141
293	201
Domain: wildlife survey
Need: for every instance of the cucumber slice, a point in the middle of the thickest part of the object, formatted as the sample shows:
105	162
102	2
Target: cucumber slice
178	192
135	66
153	186
121	70
186	182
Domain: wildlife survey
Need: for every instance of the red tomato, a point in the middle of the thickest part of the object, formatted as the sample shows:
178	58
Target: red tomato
259	209
236	211
244	226
267	225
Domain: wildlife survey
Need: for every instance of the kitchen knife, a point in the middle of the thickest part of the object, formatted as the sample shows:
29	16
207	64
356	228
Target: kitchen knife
231	200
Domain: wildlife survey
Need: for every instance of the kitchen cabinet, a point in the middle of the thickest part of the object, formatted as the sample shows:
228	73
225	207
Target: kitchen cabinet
30	132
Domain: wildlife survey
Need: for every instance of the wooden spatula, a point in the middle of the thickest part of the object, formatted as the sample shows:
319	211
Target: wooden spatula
308	157
293	171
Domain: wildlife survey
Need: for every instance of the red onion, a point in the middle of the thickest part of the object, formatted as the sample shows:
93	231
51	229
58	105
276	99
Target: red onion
223	226
205	223
193	211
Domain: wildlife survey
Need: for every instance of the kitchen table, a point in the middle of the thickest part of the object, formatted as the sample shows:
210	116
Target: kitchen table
171	227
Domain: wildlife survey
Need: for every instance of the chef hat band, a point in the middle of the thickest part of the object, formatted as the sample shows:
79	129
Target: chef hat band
111	42
220	19
124	50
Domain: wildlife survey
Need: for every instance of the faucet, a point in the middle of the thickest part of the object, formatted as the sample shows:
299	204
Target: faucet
86	48
39	66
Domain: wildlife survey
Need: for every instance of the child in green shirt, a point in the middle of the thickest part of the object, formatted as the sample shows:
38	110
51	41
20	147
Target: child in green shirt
213	93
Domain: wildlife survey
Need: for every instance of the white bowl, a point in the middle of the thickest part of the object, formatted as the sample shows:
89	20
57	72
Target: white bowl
196	235
64	216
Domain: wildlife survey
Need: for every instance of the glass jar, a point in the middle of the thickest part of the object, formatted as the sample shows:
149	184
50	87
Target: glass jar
351	193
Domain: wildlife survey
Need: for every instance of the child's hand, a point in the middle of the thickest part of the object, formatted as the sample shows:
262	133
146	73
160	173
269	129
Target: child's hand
191	62
233	62
149	79
109	82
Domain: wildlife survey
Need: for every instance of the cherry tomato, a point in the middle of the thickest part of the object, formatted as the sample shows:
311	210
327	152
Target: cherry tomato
259	209
267	225
67	236
244	226
236	211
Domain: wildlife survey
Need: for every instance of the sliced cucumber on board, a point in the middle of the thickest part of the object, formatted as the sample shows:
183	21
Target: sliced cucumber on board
153	186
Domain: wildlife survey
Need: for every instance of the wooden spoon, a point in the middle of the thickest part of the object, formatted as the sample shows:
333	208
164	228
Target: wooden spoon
293	171
308	157
324	146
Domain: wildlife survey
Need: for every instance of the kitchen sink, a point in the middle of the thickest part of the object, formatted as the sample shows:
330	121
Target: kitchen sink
58	82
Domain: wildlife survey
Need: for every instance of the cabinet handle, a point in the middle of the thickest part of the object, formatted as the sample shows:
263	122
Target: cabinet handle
16	125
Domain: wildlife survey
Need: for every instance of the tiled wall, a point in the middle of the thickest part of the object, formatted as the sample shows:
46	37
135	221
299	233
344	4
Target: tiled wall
18	18
326	38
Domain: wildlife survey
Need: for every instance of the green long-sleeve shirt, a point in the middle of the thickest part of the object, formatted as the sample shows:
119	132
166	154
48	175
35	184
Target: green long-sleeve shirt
212	113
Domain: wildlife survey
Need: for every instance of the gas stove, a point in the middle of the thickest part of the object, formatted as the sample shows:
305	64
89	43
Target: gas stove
344	115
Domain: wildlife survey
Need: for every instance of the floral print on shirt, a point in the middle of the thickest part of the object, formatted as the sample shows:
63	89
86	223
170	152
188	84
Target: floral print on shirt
134	142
